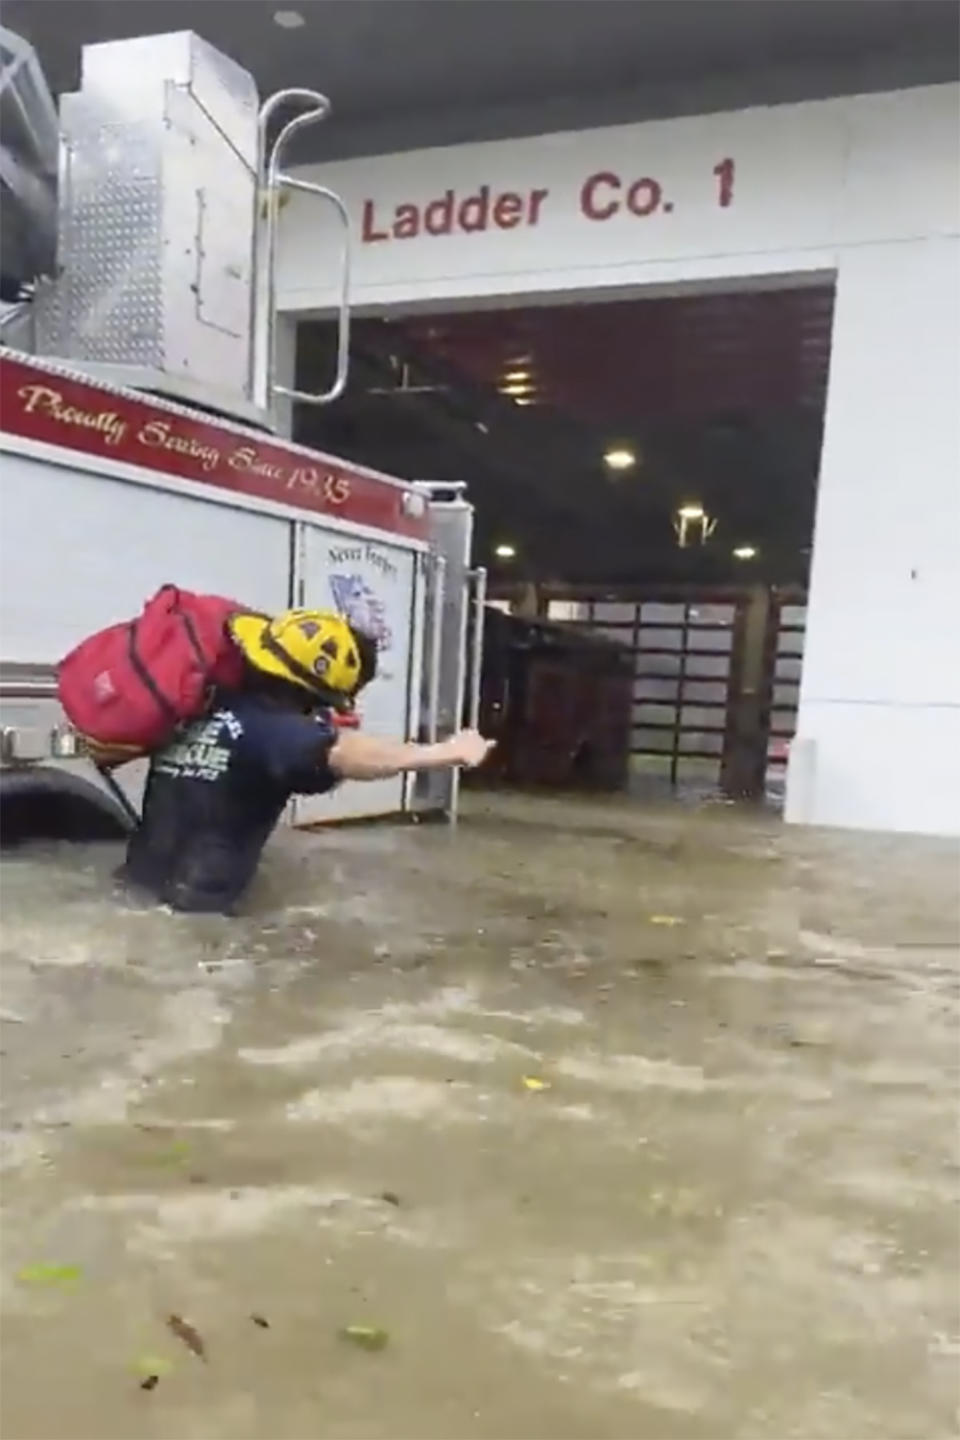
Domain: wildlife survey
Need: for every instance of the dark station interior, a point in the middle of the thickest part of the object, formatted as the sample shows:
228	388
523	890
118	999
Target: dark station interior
718	397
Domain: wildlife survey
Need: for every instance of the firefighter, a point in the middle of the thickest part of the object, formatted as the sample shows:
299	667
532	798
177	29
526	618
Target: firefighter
215	794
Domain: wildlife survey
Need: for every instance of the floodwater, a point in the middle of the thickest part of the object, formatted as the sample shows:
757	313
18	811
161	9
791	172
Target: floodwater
616	1123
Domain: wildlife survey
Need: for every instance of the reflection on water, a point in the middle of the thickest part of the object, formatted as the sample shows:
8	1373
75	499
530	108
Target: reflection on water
620	1124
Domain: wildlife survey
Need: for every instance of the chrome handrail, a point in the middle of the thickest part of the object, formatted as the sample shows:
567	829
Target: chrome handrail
436	645
274	181
479	577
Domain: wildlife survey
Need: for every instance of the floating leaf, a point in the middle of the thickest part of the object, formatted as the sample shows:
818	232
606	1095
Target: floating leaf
665	920
152	1366
150	1382
280	200
534	1082
173	1154
367	1337
261	1320
44	1273
390	1196
191	1338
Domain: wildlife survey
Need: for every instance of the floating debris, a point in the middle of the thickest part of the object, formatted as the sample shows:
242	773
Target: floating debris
534	1082
175	1153
44	1273
190	1337
261	1320
666	920
365	1337
390	1197
151	1369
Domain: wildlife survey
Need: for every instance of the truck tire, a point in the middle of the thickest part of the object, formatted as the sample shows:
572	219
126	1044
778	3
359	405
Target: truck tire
46	803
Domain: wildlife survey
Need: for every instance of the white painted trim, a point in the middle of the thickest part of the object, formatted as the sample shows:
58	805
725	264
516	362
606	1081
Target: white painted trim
67	459
503	289
298	567
732	280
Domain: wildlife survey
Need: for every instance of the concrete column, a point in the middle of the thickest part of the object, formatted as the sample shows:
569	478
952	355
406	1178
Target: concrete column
527	602
878	734
744	762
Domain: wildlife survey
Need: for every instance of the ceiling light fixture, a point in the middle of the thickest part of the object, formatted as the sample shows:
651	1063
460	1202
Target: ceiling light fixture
289	19
519	374
505	552
745	552
693	526
619	458
516	387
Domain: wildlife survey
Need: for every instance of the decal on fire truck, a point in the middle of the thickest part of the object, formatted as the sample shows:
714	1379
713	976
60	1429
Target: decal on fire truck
39	403
359	604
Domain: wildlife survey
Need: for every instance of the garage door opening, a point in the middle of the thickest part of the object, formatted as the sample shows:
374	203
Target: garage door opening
645	467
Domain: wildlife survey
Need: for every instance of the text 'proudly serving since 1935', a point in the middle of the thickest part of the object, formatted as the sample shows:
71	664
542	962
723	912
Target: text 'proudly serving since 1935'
117	430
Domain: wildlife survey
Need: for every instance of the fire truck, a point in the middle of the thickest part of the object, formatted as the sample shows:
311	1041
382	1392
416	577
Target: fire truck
140	411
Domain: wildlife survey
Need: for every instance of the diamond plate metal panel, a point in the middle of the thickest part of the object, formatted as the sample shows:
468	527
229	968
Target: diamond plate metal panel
156	232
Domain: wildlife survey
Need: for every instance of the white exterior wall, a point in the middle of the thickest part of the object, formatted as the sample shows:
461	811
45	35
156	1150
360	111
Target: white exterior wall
878	741
864	187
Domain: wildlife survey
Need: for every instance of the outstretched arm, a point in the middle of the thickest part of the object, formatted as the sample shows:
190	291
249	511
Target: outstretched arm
355	756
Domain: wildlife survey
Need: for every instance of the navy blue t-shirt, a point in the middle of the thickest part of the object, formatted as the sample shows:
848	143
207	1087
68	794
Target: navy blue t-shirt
215	794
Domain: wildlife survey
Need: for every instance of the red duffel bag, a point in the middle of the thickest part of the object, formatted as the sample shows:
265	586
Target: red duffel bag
126	689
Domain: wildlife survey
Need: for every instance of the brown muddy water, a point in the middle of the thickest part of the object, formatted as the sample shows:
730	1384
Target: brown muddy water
616	1123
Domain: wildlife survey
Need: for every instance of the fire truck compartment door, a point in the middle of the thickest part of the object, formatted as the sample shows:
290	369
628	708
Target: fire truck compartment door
374	585
79	551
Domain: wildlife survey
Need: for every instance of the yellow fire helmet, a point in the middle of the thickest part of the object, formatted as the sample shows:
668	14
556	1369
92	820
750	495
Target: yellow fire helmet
315	649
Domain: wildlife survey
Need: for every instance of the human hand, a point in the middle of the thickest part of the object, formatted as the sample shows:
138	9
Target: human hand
469	748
